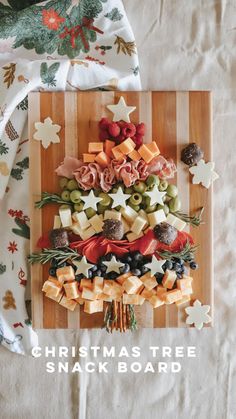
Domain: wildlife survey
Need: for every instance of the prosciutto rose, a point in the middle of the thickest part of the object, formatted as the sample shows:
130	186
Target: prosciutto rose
107	179
88	176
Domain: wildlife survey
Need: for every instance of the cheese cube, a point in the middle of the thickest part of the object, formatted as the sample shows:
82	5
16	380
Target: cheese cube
140	299
69	304
132	285
112	215
57	222
125	225
149	281
88	294
172	296
93	306
65	216
133	236
109	145
102	159
169	279
112	288
66	273
55	281
175	222
127	146
95	147
153	148
86	283
156	301
161	290
121	279
145	153
187	291
57	298
147	293
129	214
118	155
98	285
170	219
81	219
156	217
138	225
72	290
144	215
130	299
104	297
134	155
80	300
86	234
76	229
184	283
96	223
88	158
184	300
51	288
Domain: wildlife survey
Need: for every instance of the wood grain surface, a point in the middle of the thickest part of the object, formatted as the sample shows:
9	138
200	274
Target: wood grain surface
173	120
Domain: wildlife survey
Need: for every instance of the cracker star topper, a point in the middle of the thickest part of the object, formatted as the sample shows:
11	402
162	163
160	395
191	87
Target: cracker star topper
121	111
204	173
47	132
197	314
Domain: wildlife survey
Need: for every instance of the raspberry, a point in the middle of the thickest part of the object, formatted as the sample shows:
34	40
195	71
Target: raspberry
121	124
140	128
129	130
114	129
103	135
138	139
104	123
120	138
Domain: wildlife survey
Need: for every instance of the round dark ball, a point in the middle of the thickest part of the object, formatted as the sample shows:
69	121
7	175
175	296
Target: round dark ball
168	264
113	229
136	272
125	269
191	154
128	258
94	268
112	275
99	272
90	274
144	270
159	277
103	269
179	275
52	271
79	277
53	263
165	233
137	256
193	265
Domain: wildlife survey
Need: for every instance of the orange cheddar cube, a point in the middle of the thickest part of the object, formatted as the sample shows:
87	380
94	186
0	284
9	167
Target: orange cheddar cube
184	283
95	147
134	155
65	274
55	281
118	155
109	145
172	296
156	301
98	284
132	285
51	288
91	307
88	294
153	148
127	146
184	300
88	158
80	300
72	290
104	297
121	279
130	299
102	159
145	153
57	298
149	281
112	288
147	293
86	283
169	279
69	304
161	290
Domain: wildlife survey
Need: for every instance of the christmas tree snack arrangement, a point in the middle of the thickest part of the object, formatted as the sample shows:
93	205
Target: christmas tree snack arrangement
118	238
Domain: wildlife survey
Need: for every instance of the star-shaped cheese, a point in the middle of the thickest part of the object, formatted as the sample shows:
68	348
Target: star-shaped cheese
156	197
90	201
113	265
121	111
82	266
155	266
204	173
119	198
197	314
46	132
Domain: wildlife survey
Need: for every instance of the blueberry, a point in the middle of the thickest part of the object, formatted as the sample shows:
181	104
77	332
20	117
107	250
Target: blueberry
99	272
125	269
136	272
137	256
159	277
168	264
90	274
179	275
79	277
193	265
103	259
109	256
128	258
94	268
52	271
134	264
103	268
54	263
143	270
112	275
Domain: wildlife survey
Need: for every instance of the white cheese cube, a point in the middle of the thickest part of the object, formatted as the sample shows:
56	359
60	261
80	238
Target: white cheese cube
93	306
138	225
76	229
156	217
96	223
143	214
175	222
112	215
65	216
57	222
129	214
132	236
81	219
126	225
86	234
171	219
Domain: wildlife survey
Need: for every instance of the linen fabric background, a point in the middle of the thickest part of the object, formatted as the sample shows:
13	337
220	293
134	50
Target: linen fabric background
182	45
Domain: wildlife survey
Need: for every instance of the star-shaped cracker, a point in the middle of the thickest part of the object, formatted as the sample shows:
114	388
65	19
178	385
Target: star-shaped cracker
203	173
82	266
113	265
155	266
156	197
197	314
90	201
121	111
119	198
47	132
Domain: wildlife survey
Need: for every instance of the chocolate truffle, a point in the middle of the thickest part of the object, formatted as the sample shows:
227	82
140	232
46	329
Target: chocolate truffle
191	154
165	233
59	238
113	229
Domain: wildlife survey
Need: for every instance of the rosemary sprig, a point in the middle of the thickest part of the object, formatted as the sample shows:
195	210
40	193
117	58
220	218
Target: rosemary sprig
49	198
194	220
133	322
60	255
187	253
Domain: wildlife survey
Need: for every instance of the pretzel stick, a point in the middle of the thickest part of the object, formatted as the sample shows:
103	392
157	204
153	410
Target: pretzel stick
121	317
124	317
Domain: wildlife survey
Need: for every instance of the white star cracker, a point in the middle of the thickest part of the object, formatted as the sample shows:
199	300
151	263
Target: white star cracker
197	314
113	265
204	173
119	198
90	201
121	111
156	197
47	132
82	266
155	266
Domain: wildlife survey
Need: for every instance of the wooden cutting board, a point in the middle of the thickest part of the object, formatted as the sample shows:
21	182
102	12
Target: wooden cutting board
172	119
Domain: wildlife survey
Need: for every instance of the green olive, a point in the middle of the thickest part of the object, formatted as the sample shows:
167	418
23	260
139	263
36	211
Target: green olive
174	204
101	209
106	199
135	207
64	206
129	190
90	212
72	184
114	190
166	198
163	185
150	208
65	195
140	187
63	182
152	180
166	209
79	207
135	199
75	196
172	191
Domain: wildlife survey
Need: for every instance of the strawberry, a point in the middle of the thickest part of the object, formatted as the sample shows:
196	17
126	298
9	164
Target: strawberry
114	129
140	129
129	130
